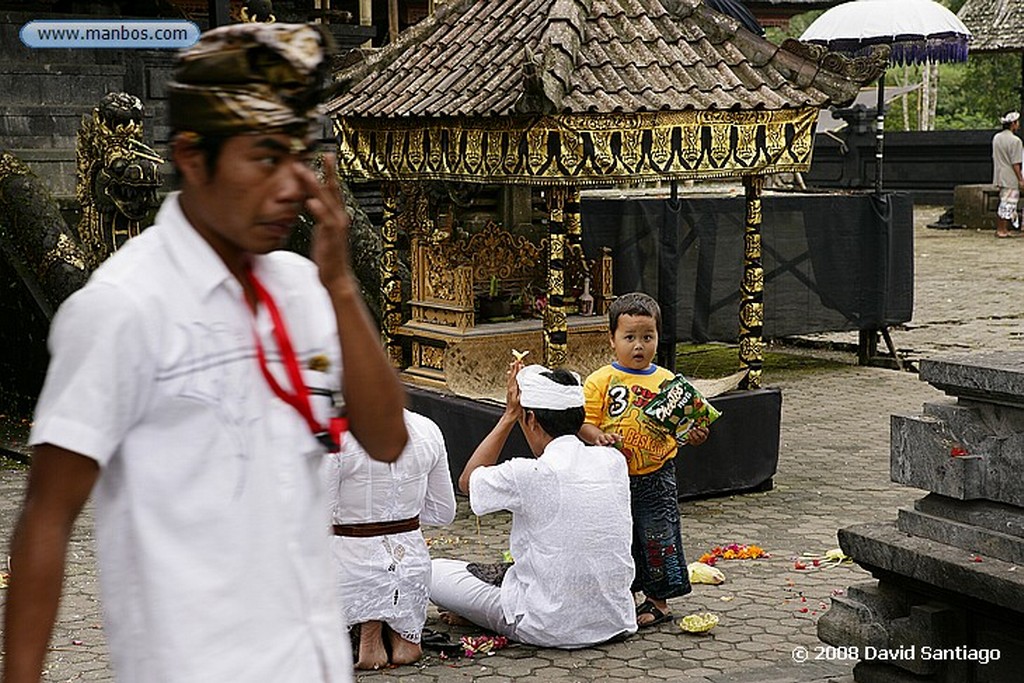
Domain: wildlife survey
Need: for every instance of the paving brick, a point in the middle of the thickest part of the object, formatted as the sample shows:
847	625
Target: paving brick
833	472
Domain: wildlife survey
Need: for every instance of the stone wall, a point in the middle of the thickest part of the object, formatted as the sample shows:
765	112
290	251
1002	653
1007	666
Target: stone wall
46	93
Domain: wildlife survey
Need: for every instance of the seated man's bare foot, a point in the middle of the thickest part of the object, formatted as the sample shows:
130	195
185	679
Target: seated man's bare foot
453	619
372	654
403	651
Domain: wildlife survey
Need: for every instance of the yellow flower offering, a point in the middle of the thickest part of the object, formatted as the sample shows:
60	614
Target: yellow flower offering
701	622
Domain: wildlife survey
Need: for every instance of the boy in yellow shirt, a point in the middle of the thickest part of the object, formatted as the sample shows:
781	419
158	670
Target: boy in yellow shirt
615	397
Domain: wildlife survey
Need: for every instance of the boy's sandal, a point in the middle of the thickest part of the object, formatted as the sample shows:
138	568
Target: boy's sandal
648	607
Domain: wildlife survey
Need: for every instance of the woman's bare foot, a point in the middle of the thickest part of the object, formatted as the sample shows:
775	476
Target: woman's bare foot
402	650
372	654
453	619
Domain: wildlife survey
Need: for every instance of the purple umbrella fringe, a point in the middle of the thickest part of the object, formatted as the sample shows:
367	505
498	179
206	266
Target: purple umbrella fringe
944	47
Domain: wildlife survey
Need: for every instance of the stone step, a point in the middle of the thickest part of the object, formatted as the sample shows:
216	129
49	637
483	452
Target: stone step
991	585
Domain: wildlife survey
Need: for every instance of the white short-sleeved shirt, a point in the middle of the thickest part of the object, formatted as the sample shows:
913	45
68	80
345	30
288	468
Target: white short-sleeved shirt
211	519
570	538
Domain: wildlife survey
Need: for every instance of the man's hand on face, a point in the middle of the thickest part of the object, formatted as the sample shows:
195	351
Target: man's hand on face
331	247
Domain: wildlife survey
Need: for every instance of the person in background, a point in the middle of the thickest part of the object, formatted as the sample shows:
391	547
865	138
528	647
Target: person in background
616	395
382	566
568	586
1007	154
189	390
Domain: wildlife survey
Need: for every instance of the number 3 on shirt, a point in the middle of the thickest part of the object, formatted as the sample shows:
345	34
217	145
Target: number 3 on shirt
619	396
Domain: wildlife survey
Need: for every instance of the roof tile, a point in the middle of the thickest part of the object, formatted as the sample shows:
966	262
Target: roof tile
996	25
590	55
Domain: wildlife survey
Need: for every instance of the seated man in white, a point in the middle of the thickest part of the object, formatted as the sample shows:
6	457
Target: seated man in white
381	559
569	585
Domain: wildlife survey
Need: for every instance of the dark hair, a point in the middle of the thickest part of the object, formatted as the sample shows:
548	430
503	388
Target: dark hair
634	303
210	146
560	422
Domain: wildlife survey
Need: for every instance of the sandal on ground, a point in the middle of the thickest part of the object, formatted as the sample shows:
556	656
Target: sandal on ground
440	642
648	607
1009	234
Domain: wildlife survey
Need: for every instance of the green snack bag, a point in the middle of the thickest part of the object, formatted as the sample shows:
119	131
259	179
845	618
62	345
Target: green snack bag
679	407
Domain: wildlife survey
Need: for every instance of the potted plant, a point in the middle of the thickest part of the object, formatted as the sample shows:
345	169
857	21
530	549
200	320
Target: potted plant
495	305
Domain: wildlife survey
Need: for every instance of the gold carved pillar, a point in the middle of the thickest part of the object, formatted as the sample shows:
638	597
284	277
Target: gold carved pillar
573	217
390	284
752	287
555	330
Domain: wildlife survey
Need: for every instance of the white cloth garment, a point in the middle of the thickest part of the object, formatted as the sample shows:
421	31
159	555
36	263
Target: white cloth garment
536	390
387	578
478	601
570	538
211	518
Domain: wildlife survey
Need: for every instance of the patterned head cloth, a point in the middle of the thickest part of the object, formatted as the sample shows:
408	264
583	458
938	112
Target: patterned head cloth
1010	117
251	77
538	391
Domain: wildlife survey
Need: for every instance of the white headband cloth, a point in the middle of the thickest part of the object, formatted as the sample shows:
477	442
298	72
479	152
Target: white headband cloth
1010	118
539	392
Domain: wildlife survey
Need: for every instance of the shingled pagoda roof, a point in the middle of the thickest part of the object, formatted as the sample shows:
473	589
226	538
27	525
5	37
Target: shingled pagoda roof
504	57
996	25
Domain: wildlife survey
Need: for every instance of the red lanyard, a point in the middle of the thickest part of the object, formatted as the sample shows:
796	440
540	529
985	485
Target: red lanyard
330	437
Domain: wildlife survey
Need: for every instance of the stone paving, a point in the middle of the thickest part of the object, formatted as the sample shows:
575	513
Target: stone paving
833	471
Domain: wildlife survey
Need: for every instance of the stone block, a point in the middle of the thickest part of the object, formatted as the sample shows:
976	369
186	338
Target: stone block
991	377
975	422
921	456
974	206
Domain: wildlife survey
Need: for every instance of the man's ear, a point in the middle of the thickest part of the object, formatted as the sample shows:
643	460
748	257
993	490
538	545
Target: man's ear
190	161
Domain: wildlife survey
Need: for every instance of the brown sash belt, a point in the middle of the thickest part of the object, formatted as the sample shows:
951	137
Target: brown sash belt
377	528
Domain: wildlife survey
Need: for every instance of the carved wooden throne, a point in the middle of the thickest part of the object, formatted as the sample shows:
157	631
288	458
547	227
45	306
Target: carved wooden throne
450	273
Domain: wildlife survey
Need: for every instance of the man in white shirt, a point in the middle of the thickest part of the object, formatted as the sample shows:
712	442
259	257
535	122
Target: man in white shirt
569	585
187	388
1007	151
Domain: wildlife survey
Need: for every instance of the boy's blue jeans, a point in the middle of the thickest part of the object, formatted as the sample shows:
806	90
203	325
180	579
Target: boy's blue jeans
661	571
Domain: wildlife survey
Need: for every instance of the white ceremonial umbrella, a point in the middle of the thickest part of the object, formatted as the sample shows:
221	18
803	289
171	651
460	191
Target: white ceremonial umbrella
916	30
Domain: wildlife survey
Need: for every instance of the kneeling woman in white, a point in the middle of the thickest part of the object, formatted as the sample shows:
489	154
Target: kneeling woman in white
571	531
382	563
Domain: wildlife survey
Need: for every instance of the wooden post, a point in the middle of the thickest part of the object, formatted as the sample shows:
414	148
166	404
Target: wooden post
668	279
573	216
880	134
220	12
390	284
366	17
752	288
393	20
555	328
